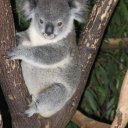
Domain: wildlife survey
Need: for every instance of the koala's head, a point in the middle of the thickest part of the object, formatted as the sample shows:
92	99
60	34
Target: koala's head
54	19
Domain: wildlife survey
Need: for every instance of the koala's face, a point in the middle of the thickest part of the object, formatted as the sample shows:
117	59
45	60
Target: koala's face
53	18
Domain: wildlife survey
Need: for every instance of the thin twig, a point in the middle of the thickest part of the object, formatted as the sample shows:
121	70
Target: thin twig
113	43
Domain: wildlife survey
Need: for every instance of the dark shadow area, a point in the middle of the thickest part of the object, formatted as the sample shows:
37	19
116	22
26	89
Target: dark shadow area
5	111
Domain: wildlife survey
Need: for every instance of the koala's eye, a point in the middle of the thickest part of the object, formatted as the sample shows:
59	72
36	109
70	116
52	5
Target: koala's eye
59	23
41	21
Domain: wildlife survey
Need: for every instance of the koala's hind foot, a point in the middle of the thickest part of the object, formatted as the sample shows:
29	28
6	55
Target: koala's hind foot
49	101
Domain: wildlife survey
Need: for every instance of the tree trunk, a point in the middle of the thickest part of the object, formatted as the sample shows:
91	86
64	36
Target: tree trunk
11	80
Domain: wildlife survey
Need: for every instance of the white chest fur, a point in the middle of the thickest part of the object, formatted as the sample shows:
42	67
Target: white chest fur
36	38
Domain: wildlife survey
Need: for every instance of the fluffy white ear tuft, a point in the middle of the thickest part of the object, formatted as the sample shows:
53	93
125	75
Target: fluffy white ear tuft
27	7
78	10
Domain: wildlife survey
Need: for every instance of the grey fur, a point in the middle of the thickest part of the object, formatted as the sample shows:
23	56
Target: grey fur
50	63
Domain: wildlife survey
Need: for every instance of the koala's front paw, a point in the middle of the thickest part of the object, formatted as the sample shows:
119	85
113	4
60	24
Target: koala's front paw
11	54
14	53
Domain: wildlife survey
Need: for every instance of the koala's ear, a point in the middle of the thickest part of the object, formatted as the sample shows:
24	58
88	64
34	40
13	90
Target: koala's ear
27	7
78	9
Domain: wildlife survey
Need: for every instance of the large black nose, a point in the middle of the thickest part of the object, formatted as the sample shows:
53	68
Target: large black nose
49	29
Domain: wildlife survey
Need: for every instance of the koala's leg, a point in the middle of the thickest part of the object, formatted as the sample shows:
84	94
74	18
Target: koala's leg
49	101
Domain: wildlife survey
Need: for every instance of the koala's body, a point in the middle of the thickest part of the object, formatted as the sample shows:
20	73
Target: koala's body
48	50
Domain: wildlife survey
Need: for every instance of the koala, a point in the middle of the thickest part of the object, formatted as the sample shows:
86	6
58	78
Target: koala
49	54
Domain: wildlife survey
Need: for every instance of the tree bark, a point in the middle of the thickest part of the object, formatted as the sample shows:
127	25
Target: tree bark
11	80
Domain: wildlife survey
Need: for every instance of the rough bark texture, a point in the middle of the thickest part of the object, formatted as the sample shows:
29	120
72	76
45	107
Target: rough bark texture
11	79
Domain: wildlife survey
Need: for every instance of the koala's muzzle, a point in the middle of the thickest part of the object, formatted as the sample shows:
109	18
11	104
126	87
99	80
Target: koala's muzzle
49	29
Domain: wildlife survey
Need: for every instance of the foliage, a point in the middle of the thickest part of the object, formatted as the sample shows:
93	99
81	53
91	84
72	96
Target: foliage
118	26
72	125
101	96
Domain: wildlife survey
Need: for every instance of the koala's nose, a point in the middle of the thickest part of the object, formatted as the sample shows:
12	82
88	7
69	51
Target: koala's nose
49	29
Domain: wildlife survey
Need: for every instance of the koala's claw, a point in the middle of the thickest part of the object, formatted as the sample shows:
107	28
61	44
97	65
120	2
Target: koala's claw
10	54
29	112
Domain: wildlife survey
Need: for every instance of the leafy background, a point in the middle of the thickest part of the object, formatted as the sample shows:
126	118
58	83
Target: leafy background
100	98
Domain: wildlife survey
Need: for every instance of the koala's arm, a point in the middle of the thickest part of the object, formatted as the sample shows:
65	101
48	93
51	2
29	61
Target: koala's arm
40	55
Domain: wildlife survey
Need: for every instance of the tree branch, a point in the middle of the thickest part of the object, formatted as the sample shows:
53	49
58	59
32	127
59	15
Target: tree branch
121	118
113	43
12	83
84	122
